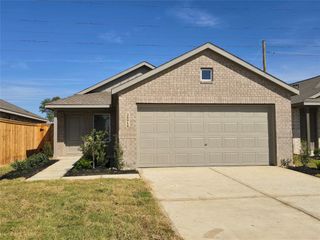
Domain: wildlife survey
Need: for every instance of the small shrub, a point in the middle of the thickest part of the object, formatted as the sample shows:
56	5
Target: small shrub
47	149
285	162
35	160
317	163
316	152
304	153
94	147
19	165
83	163
118	162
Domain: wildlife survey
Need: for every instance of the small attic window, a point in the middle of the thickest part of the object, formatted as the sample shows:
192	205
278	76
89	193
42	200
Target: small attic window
206	74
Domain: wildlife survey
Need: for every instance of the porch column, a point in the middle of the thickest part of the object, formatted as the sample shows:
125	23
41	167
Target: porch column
55	133
317	129
308	129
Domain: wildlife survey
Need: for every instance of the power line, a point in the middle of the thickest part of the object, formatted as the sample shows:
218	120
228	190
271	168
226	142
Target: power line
46	41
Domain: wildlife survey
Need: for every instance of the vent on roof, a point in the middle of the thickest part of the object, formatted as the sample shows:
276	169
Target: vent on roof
295	86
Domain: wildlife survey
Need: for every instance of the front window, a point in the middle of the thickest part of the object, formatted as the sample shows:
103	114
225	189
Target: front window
101	122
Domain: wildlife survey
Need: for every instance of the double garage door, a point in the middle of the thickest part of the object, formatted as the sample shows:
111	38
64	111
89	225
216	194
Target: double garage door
203	135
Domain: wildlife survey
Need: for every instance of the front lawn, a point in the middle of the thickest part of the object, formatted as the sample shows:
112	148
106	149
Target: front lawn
92	209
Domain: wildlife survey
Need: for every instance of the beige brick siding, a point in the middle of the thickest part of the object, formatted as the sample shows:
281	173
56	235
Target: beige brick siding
296	130
232	84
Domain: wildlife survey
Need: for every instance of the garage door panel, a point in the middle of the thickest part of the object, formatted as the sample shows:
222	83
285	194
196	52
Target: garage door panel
247	142
180	159
147	127
180	142
231	158
197	142
214	142
203	135
163	127
262	142
163	159
181	127
147	143
197	127
162	142
215	158
231	127
229	142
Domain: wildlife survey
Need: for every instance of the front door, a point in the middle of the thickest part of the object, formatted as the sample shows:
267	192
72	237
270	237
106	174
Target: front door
73	131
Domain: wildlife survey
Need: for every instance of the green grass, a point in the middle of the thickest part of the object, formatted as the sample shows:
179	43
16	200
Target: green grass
5	169
311	165
93	209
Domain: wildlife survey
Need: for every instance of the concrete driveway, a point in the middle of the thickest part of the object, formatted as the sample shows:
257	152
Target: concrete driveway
238	202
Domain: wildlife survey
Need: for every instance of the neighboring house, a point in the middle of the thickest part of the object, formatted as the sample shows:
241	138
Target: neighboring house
306	114
205	107
13	112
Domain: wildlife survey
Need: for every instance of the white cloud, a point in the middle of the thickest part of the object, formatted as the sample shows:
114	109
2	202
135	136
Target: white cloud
111	37
195	17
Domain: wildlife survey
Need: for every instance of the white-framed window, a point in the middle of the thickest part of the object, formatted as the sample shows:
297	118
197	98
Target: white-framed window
206	75
102	122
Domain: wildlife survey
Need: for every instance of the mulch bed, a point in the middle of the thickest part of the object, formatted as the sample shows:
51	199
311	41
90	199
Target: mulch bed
28	173
97	171
306	170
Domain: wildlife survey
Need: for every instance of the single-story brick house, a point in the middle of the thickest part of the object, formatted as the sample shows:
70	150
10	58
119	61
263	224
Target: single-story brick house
205	107
306	114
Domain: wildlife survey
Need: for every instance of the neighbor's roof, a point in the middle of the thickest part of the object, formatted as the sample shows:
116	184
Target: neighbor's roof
119	75
309	91
196	51
90	100
10	108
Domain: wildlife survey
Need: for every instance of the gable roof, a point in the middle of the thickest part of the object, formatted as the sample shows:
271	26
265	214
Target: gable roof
309	91
89	100
196	51
114	77
10	108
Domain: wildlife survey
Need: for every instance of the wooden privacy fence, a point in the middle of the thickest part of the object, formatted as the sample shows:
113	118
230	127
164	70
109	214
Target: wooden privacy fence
20	139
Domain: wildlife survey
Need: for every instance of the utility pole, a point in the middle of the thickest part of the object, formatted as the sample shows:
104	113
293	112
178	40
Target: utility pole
264	57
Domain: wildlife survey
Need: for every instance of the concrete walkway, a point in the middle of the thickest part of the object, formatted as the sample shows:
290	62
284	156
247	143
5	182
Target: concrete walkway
246	203
56	170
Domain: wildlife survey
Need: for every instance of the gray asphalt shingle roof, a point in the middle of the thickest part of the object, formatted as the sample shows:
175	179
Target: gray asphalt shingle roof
13	109
100	98
308	88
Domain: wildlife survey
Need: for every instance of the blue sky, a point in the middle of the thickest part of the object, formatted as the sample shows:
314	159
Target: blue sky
56	48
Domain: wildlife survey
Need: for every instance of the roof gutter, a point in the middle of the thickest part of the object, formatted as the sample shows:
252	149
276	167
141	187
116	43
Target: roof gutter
54	106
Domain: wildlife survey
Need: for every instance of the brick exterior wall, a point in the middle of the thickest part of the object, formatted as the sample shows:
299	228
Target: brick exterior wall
232	84
296	140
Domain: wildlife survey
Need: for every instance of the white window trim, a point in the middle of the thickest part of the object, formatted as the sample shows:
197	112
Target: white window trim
206	80
109	124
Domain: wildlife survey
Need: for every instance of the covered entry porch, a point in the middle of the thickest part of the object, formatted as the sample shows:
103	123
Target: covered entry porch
77	116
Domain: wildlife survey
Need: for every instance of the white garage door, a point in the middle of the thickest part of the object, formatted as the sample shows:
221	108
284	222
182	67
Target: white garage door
184	135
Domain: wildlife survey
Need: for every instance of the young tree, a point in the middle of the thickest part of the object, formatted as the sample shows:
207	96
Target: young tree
48	112
94	147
